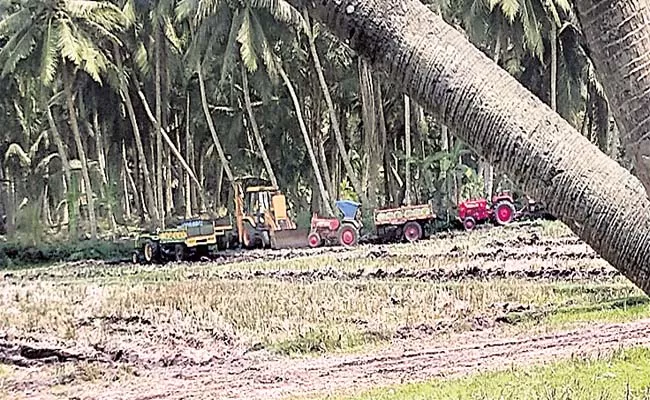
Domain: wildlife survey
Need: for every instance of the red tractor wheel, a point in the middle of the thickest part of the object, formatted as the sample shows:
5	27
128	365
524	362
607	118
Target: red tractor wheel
348	235
469	223
314	240
504	212
412	231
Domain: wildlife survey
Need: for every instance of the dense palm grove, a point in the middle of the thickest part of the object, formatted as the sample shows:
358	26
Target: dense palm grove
126	113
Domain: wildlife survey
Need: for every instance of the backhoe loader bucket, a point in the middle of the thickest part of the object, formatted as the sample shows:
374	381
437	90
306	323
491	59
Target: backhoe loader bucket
290	239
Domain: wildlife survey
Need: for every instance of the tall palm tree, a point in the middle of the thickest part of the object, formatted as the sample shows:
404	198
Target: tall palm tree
598	199
70	35
247	31
619	40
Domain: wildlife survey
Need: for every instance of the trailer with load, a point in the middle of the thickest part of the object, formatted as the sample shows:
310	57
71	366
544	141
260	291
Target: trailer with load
410	223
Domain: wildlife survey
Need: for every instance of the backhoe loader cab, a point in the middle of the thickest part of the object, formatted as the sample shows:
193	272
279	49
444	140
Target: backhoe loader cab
262	217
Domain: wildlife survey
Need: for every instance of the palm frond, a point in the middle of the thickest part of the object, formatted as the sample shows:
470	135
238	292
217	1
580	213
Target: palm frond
510	9
15	22
49	59
45	161
564	5
141	59
68	44
16	151
37	144
100	12
269	58
171	35
229	50
205	8
13	52
185	9
245	39
532	30
283	12
128	10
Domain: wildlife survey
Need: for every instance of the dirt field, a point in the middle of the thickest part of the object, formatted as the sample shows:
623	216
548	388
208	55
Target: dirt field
275	324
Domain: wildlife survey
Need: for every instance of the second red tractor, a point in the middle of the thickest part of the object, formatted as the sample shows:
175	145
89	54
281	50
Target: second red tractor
501	210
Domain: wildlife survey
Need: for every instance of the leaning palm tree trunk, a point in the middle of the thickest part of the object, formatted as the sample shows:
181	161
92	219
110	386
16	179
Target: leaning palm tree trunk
618	36
170	143
310	150
213	131
74	125
256	131
491	111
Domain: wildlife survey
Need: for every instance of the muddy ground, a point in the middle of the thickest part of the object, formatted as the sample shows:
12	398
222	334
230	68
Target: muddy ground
153	362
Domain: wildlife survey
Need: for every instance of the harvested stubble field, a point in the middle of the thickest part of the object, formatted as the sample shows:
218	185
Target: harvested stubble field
274	324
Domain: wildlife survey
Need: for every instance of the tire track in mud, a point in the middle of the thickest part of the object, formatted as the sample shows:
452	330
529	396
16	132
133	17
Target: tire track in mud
432	275
246	378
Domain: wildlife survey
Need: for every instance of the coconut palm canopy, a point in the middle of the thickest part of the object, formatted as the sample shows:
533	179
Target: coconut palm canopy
135	112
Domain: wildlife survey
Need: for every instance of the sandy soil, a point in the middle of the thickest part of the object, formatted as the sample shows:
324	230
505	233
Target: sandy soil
253	376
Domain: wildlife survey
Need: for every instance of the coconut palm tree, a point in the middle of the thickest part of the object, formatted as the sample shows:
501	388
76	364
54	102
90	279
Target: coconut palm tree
621	59
598	199
70	35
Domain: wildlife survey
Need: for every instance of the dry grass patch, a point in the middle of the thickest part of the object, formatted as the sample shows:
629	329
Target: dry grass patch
288	316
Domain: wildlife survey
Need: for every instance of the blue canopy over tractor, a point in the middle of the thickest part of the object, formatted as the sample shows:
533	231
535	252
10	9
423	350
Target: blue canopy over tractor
348	208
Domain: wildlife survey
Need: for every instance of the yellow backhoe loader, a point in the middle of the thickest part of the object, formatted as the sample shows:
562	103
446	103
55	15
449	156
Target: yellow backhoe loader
262	218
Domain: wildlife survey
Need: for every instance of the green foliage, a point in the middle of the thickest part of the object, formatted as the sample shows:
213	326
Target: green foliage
347	191
620	375
17	254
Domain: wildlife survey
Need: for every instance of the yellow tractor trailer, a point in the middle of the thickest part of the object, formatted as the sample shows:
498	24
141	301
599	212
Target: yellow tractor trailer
190	239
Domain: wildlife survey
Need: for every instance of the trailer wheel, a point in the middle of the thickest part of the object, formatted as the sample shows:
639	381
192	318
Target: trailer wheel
179	252
469	223
314	240
412	231
348	235
504	212
135	257
151	251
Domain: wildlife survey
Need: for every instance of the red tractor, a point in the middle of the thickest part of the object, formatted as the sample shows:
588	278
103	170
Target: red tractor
344	230
501	211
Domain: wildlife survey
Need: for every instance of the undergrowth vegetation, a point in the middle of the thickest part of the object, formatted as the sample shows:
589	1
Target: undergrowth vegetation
16	254
621	375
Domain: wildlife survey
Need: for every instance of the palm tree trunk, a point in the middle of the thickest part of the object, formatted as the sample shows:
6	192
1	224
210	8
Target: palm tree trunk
356	183
170	143
618	37
256	131
74	125
101	158
310	150
188	150
125	185
144	167
368	114
553	40
598	199
488	169
71	207
158	128
407	145
213	131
